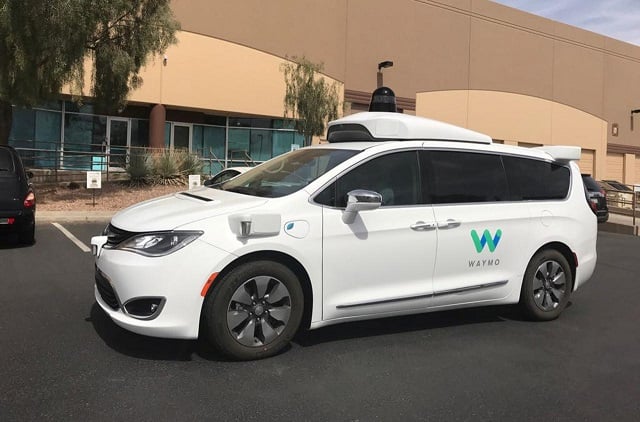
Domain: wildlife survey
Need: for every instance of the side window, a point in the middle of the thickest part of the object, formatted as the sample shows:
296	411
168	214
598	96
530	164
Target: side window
536	179
6	161
463	177
395	176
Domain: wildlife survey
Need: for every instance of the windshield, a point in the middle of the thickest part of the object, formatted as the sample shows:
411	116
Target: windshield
287	173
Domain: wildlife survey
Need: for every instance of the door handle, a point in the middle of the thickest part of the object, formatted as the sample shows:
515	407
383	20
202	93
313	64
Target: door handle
421	226
449	224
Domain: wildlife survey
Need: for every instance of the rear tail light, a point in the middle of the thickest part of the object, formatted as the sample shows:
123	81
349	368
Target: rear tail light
593	204
30	200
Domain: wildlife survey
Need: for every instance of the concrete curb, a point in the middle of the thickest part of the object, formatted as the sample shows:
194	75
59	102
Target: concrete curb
74	216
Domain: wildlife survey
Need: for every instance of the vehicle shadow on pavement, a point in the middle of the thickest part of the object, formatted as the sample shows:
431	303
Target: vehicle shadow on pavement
11	242
408	323
144	347
151	348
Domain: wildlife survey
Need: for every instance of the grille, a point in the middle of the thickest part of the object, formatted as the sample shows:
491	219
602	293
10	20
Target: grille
106	291
115	236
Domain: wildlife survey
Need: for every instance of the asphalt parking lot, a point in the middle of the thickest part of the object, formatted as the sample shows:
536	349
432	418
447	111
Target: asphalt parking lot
63	359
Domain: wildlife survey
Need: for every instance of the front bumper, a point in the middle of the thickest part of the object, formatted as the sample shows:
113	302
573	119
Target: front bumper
173	281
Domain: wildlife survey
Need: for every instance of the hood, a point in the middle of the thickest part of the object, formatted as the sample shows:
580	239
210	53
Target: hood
172	211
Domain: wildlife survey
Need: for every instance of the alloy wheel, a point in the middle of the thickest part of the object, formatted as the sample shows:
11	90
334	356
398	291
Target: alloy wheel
549	285
258	311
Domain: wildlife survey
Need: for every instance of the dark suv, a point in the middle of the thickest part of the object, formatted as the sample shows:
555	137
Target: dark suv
17	199
597	198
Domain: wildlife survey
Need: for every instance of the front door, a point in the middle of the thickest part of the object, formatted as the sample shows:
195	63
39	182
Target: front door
118	141
382	263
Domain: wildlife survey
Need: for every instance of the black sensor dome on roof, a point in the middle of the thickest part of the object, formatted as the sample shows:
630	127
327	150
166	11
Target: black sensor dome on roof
383	99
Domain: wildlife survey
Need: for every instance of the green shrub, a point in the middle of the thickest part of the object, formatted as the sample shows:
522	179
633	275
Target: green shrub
168	167
138	167
165	170
188	163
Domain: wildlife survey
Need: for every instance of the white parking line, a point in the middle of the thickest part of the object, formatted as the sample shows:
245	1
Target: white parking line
78	242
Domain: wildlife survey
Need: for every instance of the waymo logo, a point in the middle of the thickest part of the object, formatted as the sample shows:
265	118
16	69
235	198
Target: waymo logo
486	239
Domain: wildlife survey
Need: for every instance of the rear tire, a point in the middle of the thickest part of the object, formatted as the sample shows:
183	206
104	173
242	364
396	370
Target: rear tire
546	286
27	236
254	311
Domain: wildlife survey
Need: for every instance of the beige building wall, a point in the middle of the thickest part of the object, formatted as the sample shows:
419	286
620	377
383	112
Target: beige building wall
204	73
524	119
449	55
457	51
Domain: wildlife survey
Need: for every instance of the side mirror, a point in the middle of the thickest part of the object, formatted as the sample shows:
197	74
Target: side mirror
360	200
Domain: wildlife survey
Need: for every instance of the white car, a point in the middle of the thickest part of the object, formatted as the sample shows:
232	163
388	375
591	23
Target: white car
396	215
226	174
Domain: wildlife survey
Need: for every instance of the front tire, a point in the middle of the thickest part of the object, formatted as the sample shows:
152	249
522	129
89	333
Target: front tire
254	311
546	286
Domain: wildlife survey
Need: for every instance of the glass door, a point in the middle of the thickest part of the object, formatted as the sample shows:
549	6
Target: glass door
181	136
118	141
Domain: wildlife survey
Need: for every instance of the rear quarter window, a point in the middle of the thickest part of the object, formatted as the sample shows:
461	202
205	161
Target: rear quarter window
531	179
6	162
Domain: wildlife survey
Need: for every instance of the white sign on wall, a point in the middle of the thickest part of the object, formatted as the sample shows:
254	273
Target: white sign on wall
194	181
94	180
295	147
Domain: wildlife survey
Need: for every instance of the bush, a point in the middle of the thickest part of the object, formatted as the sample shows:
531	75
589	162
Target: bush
165	169
168	167
138	168
188	163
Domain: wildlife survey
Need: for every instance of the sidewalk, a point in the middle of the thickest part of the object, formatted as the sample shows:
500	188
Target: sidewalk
619	223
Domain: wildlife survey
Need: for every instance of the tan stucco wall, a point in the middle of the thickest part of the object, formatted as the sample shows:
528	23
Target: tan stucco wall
476	63
208	74
437	45
518	119
211	74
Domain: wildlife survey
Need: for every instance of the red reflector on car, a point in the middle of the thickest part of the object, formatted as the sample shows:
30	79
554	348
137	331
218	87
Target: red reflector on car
30	200
208	284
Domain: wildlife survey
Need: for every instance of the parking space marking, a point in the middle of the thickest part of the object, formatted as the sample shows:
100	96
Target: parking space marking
78	242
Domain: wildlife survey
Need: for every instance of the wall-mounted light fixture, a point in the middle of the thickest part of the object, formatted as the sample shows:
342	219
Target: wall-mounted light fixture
614	129
382	65
637	110
165	59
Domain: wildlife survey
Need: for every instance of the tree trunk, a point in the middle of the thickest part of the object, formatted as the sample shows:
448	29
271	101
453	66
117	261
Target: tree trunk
6	117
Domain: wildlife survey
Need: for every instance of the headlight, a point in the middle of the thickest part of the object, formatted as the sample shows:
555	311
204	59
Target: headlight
158	243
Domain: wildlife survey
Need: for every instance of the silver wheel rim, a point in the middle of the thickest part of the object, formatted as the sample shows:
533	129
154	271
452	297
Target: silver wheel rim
549	285
259	311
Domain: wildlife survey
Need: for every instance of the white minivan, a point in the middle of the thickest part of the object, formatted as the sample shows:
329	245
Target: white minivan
396	215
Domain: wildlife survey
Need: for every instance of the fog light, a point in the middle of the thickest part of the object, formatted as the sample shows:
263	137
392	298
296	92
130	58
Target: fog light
144	308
